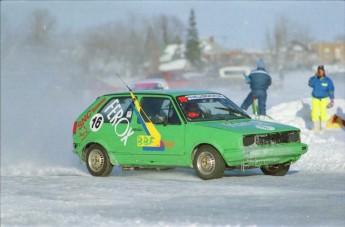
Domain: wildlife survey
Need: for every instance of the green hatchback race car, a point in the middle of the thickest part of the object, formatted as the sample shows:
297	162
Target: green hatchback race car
203	130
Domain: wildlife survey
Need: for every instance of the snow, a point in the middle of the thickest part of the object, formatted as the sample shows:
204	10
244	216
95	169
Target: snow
171	50
321	157
44	184
179	64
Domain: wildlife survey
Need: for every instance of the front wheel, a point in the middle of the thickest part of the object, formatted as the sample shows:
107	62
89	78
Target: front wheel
97	161
275	170
208	163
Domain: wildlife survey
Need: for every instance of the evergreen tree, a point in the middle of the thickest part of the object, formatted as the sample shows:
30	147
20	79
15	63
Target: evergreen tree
193	53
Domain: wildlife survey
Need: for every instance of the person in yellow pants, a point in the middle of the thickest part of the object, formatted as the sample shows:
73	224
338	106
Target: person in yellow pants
319	109
323	98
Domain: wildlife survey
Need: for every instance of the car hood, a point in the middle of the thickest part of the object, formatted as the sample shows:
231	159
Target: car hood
250	126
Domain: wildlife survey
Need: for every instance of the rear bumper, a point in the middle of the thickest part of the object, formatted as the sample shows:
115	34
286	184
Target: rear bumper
256	156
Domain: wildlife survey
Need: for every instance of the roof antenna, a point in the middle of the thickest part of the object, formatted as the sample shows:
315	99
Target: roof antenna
123	81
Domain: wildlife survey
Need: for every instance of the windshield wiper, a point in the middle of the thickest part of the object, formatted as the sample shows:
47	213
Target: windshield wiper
232	111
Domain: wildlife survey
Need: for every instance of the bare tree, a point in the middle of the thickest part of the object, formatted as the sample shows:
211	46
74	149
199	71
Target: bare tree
152	48
279	41
169	29
132	44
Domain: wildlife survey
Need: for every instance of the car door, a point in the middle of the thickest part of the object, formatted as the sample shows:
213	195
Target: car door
159	133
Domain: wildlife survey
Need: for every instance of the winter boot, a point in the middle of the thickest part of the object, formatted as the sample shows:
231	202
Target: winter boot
323	125
317	126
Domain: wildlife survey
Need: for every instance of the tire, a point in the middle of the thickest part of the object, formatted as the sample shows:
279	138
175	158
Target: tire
208	163
275	170
97	161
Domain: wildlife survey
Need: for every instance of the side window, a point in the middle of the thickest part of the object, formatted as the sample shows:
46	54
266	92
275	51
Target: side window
159	111
116	109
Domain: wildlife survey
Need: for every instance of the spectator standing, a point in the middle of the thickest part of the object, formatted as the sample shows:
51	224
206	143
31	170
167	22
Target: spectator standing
322	98
259	81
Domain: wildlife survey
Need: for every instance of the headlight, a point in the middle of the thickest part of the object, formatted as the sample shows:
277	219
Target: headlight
294	137
248	140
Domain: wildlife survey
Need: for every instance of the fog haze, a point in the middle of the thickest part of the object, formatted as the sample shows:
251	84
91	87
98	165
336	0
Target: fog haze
236	24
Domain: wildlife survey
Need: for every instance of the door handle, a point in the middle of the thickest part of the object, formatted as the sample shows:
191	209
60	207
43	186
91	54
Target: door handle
137	129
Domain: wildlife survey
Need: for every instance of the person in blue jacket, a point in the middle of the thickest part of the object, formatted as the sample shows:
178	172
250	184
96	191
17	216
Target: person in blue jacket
322	97
259	81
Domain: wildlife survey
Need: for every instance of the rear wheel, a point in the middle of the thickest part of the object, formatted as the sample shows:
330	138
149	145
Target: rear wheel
97	161
208	163
275	170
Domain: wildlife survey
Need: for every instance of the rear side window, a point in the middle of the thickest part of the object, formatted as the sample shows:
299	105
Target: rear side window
159	111
117	108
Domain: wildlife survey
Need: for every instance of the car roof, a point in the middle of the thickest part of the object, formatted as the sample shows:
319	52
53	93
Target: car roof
170	92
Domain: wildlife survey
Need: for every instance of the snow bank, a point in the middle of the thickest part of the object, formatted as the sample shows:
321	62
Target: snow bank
326	151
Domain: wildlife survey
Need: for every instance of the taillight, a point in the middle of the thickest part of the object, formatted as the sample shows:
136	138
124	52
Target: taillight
75	128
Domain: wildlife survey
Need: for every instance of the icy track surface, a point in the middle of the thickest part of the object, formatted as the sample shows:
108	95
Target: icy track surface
174	198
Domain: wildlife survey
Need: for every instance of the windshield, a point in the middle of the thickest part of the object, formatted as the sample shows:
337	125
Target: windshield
205	107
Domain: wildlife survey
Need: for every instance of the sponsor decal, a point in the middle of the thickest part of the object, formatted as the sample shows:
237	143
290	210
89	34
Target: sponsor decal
96	122
129	114
89	113
115	116
83	133
204	96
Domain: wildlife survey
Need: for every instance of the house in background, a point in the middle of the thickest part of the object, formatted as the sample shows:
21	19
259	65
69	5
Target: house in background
329	52
173	59
295	55
213	53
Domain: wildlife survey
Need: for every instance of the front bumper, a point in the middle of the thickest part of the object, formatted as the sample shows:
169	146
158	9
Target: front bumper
256	156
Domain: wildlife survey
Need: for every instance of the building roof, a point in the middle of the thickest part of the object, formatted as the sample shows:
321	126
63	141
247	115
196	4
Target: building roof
179	64
210	47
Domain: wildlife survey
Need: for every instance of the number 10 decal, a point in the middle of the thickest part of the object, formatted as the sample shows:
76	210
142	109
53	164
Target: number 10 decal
96	122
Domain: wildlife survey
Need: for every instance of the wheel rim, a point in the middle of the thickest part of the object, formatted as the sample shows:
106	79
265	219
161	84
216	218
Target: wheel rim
206	163
96	160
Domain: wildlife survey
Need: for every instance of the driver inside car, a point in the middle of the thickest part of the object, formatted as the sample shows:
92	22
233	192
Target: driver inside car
192	110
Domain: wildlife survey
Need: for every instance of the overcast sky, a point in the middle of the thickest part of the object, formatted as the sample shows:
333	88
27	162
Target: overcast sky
237	24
